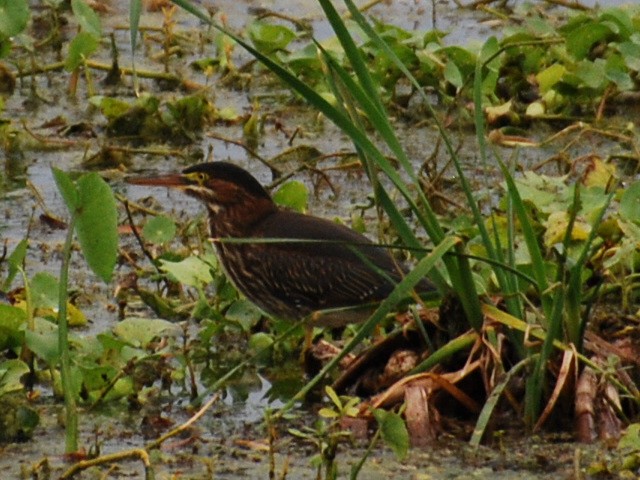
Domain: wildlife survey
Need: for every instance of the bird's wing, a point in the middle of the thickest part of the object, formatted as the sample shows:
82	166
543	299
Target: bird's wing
341	241
323	275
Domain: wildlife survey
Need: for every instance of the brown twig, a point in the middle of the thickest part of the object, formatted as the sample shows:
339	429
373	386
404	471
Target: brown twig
114	457
574	4
172	433
141	453
247	149
144	249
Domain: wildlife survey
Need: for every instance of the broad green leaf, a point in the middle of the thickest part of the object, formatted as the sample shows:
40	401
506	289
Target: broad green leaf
630	52
463	59
67	189
44	290
269	38
294	195
548	77
12	320
592	74
619	21
580	41
87	18
14	15
159	229
97	225
95	376
599	173
10	373
259	344
630	203
631	439
80	48
44	343
548	194
139	332
452	75
245	313
191	271
394	432
617	71
556	229
110	107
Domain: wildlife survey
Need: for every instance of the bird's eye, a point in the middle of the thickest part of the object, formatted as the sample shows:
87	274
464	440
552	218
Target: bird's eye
199	177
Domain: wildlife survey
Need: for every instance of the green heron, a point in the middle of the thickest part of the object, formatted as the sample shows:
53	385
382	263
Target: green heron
332	267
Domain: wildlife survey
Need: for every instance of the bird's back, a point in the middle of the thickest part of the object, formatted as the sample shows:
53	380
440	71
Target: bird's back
336	268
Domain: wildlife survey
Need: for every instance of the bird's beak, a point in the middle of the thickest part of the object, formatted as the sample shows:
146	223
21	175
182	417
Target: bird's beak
172	180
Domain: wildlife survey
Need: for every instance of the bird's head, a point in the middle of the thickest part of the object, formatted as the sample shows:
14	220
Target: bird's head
219	185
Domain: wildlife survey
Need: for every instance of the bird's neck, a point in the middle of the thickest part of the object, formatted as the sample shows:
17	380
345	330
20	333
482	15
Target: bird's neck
238	219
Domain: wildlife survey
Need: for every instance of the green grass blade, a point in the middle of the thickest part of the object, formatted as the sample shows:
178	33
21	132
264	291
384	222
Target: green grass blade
492	401
460	271
381	123
576	320
446	351
401	290
531	240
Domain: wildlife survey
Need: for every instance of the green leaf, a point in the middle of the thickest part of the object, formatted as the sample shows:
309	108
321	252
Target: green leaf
328	413
294	195
110	107
192	271
14	15
259	344
43	341
97	225
80	48
394	432
12	320
463	59
245	313
580	40
548	77
619	21
452	75
630	52
15	260
87	18
269	38
44	290
159	229
139	332
67	189
631	439
333	396
10	373
617	72
592	73
630	203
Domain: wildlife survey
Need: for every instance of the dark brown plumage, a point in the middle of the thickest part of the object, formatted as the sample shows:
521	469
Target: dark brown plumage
289	280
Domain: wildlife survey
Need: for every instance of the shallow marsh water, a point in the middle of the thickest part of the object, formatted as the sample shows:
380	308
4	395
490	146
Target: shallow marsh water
217	453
